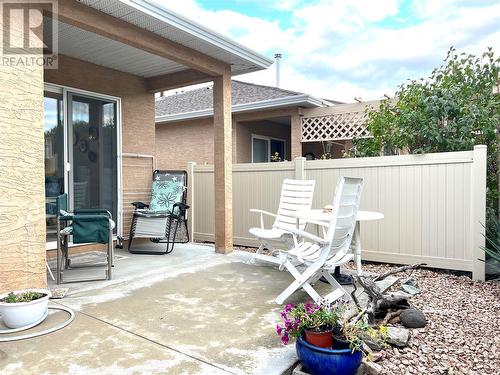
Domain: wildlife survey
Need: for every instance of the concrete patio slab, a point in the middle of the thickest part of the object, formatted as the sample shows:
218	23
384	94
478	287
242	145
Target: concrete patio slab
192	311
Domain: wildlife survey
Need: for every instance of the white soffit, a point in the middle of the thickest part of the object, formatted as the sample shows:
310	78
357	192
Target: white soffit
179	29
97	49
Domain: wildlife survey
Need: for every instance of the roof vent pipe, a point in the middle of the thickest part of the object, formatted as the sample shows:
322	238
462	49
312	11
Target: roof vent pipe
277	57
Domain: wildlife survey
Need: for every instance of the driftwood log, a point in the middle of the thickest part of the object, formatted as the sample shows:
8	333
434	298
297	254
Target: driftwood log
379	303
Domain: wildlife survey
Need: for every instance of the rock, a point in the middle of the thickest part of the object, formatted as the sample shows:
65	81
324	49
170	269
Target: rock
374	346
372	368
385	284
366	348
410	286
413	318
361	369
58	293
410	289
398	336
377	356
394	320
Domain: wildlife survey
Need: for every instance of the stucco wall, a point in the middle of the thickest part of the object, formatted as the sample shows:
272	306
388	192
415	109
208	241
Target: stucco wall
137	115
22	203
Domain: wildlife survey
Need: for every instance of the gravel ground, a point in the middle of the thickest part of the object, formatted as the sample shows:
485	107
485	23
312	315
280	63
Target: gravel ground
463	331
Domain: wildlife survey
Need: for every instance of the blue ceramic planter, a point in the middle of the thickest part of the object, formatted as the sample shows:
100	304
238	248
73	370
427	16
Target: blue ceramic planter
322	361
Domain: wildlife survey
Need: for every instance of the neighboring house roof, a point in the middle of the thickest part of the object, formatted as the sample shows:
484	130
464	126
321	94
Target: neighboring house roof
163	22
245	96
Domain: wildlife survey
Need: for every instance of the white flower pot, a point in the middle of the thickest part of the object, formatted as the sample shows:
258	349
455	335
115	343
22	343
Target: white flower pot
21	314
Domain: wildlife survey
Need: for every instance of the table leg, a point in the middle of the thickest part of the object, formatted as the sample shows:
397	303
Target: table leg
343	279
357	248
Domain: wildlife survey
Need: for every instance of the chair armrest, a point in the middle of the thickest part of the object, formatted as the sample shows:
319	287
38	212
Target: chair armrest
301	233
262	213
92	211
182	208
310	220
140	205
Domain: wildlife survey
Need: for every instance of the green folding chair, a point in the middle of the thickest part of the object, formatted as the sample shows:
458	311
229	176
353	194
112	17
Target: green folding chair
83	226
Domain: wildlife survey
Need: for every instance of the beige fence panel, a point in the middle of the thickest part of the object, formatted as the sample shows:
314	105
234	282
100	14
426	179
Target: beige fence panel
433	204
254	186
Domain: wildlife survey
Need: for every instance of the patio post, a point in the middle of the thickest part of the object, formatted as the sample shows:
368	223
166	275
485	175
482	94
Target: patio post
478	205
190	198
22	207
296	135
223	164
300	168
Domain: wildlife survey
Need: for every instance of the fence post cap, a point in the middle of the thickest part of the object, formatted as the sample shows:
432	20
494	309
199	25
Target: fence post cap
479	147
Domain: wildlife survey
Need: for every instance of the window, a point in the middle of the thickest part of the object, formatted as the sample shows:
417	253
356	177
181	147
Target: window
265	149
81	152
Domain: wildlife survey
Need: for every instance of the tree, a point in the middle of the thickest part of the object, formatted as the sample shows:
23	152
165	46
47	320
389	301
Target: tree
452	110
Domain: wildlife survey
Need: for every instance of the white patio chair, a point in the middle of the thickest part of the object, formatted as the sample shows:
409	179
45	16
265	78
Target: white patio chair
296	195
320	255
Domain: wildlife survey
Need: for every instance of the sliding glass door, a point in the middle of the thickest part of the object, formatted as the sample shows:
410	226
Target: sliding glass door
92	125
81	152
54	157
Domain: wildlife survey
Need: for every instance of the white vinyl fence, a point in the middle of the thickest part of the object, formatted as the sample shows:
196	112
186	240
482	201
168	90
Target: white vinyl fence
434	204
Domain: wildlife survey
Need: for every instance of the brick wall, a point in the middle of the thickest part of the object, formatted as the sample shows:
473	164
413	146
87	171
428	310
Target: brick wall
180	142
177	143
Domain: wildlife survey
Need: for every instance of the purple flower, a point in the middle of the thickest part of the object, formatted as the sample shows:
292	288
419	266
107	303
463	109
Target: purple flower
285	338
279	329
289	307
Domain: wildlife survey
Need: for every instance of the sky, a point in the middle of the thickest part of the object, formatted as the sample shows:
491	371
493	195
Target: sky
342	49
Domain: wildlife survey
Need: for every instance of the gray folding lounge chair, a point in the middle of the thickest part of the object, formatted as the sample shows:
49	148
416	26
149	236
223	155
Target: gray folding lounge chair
164	219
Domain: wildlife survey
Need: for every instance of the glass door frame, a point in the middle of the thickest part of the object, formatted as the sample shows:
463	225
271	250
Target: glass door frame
66	91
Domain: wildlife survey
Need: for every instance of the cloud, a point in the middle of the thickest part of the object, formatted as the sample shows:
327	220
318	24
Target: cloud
341	49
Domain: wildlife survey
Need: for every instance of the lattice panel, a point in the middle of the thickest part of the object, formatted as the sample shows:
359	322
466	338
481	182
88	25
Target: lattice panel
338	126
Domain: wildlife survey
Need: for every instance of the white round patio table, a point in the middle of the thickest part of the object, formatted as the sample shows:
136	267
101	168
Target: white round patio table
321	215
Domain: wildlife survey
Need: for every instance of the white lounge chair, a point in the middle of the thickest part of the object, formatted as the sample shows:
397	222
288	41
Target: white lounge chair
296	195
320	255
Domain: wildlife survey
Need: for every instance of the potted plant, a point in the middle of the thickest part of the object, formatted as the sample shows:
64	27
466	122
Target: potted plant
344	353
316	322
24	308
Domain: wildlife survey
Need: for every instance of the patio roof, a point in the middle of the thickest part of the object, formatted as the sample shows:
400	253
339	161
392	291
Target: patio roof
107	50
246	96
